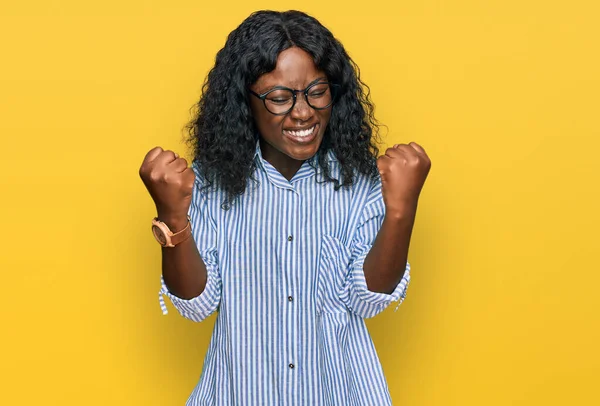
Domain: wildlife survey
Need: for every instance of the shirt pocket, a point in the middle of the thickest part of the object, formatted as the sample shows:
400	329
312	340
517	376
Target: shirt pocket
332	270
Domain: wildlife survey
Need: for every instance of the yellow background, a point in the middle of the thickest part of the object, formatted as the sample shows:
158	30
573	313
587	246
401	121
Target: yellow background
503	308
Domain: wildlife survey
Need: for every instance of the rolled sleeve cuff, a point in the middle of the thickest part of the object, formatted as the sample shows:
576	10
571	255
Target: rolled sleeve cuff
197	308
378	300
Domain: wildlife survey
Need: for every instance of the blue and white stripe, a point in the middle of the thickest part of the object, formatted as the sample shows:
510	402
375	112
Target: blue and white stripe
285	274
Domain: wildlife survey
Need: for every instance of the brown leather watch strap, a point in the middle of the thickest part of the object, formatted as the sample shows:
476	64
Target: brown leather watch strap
182	235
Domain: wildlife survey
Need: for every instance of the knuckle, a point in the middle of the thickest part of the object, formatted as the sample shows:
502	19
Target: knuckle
155	176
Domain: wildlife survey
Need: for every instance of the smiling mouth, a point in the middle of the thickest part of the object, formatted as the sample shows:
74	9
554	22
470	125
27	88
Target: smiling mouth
301	133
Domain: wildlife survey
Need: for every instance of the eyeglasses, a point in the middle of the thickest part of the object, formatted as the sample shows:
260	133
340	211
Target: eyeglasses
281	100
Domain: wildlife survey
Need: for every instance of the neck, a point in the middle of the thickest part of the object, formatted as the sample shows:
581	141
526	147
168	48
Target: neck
285	165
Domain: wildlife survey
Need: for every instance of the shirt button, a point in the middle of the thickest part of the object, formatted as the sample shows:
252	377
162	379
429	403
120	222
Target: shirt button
290	299
291	366
290	238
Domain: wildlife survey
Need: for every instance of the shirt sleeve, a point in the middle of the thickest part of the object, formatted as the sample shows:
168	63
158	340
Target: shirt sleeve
204	234
355	294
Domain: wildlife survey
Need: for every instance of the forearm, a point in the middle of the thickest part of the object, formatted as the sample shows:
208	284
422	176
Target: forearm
385	264
183	269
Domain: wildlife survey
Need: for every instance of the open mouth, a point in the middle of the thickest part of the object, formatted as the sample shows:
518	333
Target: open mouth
302	134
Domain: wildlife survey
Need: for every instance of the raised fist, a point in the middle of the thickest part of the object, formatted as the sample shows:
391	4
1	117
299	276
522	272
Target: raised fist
170	182
403	171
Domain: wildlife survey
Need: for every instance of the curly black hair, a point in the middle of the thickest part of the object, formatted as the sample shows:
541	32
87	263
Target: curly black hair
223	134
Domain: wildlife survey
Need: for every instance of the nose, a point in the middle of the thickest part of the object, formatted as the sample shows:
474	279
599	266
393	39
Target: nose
301	111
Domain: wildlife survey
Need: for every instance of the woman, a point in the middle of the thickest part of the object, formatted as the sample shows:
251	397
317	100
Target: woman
286	222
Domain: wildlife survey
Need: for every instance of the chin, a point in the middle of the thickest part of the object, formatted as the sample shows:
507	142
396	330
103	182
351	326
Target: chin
304	152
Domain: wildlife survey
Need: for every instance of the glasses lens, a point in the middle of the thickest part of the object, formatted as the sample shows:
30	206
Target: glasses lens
279	101
320	95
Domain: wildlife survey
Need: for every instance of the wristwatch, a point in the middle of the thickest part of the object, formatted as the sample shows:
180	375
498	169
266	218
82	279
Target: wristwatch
166	237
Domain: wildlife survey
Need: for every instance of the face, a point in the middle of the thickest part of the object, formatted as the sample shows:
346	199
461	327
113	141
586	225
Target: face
284	142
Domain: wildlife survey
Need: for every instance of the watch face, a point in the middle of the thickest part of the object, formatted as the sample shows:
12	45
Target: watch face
159	235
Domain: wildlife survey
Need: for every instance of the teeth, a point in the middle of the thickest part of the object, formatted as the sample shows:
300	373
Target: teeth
303	133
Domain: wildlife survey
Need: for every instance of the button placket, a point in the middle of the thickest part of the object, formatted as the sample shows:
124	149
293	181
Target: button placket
291	248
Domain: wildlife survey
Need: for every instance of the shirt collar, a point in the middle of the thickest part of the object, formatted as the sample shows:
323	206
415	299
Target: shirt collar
305	171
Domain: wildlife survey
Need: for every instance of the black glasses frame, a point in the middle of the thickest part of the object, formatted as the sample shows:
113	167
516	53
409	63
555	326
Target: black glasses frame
334	88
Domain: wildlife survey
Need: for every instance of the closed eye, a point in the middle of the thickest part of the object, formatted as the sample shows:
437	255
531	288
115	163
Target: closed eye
279	100
316	94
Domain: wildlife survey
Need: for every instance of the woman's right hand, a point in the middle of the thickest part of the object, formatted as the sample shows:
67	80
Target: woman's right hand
170	182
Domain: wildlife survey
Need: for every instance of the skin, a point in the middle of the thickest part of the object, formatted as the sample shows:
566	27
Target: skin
294	69
170	182
403	169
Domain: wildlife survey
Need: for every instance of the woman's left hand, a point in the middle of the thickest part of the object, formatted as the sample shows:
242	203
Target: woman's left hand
403	171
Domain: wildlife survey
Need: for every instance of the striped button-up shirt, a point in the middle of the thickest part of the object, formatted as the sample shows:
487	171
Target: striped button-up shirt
285	273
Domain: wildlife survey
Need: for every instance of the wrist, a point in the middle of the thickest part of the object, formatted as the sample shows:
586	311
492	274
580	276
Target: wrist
175	222
401	212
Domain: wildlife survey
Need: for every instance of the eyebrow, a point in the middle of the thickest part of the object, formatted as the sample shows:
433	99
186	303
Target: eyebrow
317	80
